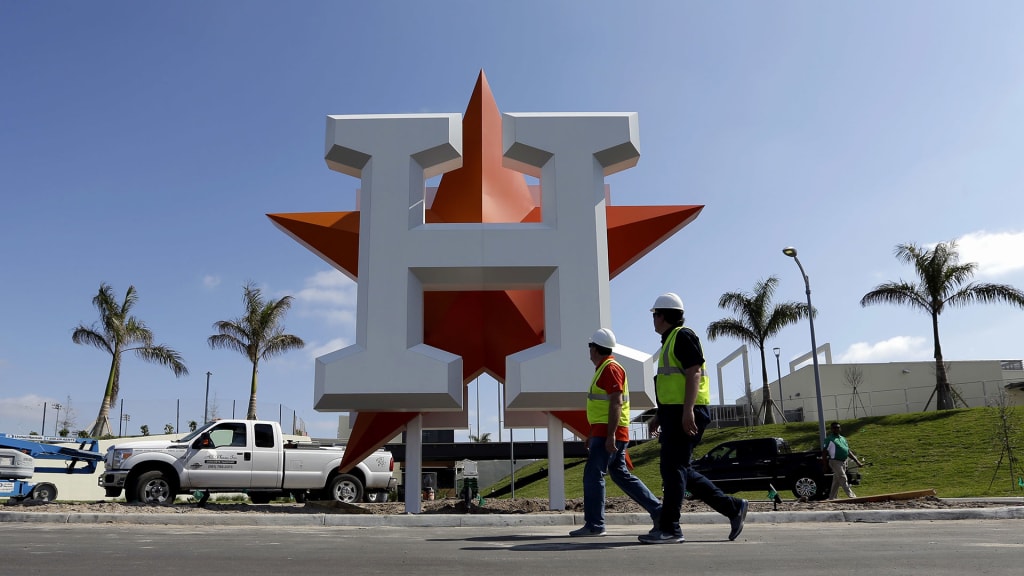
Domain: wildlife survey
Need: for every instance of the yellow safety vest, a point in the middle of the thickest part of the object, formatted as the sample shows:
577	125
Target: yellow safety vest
670	386
597	400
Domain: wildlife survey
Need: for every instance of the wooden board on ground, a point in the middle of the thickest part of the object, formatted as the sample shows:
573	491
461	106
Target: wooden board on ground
894	496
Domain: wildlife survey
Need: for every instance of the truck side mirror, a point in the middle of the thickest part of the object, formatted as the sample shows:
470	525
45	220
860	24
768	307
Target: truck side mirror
202	442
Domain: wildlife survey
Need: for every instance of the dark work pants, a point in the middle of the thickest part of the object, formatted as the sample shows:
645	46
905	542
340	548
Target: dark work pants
678	477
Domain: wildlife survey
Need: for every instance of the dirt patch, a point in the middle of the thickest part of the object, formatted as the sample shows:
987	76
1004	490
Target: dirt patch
451	506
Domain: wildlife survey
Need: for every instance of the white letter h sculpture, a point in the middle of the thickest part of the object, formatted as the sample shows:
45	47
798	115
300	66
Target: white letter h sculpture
389	368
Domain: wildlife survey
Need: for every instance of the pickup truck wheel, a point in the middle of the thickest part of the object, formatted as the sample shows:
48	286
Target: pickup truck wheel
153	488
345	488
44	492
811	487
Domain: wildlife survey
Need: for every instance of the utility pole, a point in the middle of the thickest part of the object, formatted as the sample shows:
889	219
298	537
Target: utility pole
56	407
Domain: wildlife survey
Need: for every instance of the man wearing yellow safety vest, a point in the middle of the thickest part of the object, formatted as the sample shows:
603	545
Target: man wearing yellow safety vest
683	397
608	415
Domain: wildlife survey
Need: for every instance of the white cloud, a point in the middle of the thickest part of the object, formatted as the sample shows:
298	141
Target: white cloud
996	253
210	281
328	292
345	317
329	299
895	349
328	347
21	412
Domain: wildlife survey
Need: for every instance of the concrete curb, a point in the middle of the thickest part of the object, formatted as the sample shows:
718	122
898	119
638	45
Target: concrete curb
502	520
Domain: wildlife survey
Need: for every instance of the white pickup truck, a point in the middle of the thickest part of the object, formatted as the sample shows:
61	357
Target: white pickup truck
248	456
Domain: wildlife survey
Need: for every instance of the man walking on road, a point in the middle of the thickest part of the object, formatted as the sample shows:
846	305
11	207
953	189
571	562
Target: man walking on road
608	415
838	450
683	396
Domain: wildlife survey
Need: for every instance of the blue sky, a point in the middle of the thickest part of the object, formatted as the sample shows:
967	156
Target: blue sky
143	143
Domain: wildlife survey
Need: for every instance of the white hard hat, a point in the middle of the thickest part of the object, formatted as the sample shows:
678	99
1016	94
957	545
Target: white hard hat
604	337
668	301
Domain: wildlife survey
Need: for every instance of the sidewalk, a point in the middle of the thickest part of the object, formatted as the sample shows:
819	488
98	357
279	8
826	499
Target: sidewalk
1012	511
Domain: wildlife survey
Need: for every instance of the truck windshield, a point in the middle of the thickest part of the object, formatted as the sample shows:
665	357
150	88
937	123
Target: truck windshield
198	431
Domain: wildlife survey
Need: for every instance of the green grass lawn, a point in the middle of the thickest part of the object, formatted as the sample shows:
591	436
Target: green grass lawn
955	452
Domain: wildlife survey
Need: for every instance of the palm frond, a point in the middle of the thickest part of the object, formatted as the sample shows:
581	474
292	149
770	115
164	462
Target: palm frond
164	356
897	293
90	337
226	341
280	344
987	293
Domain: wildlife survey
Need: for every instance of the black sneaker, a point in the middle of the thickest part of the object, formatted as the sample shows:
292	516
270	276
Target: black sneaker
659	537
736	522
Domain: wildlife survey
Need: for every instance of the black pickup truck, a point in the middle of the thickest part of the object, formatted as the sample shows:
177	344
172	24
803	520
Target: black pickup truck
762	463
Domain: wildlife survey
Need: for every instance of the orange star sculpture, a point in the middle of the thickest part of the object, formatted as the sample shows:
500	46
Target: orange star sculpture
483	327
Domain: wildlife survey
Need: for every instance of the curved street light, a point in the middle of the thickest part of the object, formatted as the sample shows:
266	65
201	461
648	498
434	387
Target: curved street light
791	252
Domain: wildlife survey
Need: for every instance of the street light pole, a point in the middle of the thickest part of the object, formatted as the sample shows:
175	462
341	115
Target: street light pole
791	252
56	407
778	370
206	404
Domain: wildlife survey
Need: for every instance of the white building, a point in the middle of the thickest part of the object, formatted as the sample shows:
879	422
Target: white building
857	390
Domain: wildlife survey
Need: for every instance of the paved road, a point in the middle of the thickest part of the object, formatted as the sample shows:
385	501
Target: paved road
932	548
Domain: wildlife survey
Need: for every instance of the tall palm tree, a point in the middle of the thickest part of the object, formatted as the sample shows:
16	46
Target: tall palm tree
757	320
116	333
258	335
943	281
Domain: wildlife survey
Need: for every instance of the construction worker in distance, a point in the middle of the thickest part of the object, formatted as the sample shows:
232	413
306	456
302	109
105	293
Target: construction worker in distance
683	396
608	415
837	450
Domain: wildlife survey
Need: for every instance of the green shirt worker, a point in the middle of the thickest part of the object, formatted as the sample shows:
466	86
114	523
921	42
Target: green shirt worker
838	451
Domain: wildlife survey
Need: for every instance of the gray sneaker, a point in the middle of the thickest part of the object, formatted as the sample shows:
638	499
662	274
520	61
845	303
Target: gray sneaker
736	522
659	537
588	531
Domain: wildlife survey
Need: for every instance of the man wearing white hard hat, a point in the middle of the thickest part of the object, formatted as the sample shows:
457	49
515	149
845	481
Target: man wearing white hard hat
683	396
608	415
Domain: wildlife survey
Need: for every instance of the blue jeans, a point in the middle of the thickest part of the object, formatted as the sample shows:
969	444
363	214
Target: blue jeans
677	475
599	463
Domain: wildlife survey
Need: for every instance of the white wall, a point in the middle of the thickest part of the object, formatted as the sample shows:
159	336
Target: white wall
886	388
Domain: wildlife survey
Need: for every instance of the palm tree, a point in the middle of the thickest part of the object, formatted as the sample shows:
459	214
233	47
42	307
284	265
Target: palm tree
485	437
118	332
756	321
258	335
943	281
